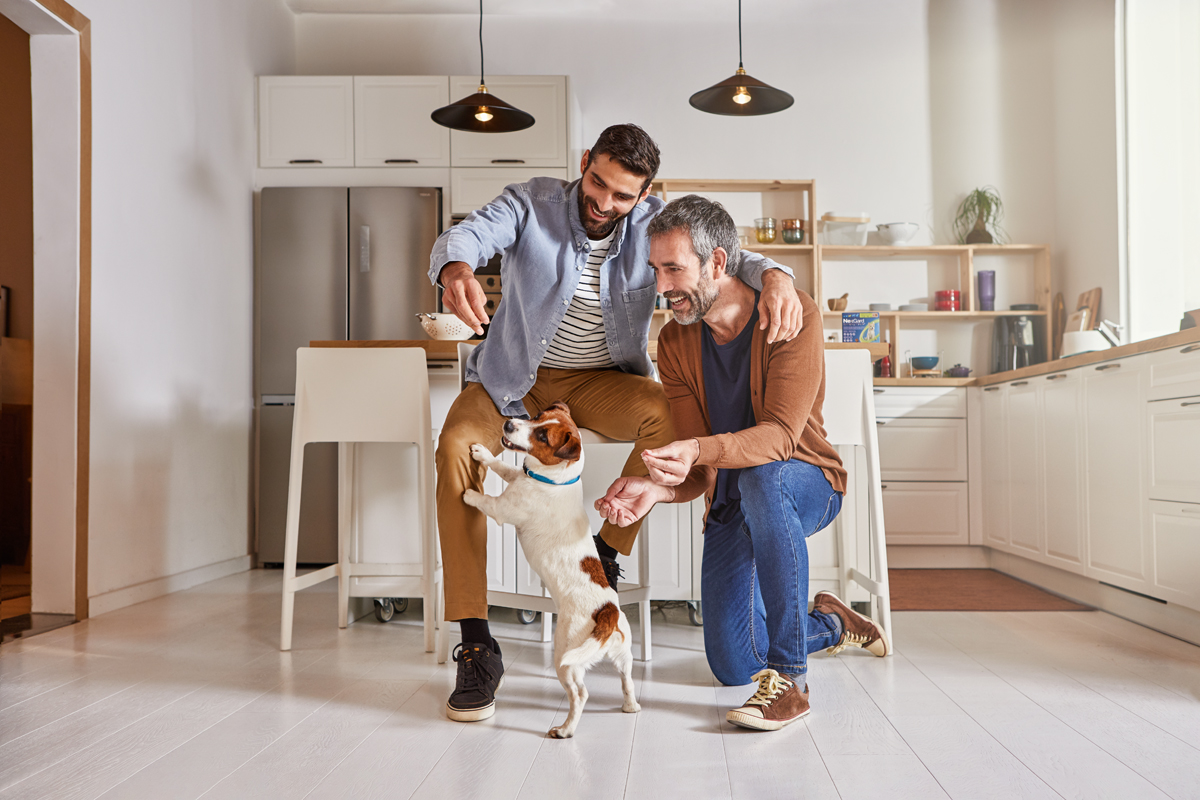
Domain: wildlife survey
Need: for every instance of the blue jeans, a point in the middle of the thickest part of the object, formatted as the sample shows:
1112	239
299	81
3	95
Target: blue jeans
754	576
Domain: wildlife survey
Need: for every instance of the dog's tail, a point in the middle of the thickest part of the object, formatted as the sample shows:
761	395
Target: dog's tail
605	618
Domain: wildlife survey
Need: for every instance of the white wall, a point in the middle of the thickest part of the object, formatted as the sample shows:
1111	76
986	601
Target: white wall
860	125
1024	98
174	153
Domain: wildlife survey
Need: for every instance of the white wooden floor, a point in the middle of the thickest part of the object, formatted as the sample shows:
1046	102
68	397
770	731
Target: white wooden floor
187	696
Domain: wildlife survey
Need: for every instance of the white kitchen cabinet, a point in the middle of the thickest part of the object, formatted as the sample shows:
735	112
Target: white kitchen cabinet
1174	373
925	402
1175	531
925	513
922	449
1024	470
994	435
392	126
1062	469
1173	461
543	145
473	188
306	121
1120	551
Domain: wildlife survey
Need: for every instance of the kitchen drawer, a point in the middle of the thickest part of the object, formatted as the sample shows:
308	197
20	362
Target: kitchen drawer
920	401
1174	445
925	513
1174	372
472	188
1176	531
922	449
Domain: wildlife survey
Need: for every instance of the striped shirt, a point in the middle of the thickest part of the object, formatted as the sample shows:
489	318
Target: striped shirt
579	342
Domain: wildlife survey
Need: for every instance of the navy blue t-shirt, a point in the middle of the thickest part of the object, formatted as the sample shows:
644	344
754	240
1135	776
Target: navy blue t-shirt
726	369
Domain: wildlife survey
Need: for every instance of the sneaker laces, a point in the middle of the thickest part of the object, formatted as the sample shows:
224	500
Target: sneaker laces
471	671
849	640
770	685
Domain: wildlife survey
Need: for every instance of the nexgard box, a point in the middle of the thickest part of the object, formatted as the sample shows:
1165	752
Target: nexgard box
860	326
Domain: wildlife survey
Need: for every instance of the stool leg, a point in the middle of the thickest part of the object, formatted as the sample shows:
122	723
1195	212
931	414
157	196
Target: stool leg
346	454
547	626
290	544
644	613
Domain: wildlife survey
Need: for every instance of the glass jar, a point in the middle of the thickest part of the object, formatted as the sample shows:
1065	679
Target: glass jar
764	230
793	231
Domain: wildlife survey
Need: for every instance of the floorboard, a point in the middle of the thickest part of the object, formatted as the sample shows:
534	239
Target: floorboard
188	696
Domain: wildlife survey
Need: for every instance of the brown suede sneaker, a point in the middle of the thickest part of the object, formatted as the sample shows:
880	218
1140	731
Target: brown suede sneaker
857	630
778	702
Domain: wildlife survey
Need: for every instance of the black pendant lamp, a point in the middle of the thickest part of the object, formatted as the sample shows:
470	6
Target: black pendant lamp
482	112
741	95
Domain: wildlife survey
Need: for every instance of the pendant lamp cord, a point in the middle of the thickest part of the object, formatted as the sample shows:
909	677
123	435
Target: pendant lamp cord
739	30
481	36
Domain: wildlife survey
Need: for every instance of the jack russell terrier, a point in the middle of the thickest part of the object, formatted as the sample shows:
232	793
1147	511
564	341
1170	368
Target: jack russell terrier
545	504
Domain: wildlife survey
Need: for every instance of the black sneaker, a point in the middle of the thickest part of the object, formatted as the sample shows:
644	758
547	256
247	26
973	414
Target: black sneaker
612	571
480	674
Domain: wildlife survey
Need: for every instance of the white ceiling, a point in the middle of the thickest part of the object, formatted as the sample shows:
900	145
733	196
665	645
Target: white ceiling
540	8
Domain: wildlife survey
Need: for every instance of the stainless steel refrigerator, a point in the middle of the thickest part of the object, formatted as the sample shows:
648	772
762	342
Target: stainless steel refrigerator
334	264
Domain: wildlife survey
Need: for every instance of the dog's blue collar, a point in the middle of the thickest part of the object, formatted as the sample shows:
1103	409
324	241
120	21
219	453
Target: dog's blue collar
544	479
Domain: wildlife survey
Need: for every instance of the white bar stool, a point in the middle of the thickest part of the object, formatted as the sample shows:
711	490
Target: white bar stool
351	396
627	592
849	414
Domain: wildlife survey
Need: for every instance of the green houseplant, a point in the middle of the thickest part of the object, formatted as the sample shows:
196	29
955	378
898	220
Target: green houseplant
978	217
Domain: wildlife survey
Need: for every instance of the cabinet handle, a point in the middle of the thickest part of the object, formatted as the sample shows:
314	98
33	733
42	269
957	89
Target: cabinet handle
431	365
400	161
879	391
1107	366
880	422
1019	383
305	161
1190	510
1190	403
508	161
991	388
883	486
1190	348
1057	377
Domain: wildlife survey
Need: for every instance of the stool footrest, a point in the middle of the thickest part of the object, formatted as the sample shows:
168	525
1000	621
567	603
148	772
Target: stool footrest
311	579
871	585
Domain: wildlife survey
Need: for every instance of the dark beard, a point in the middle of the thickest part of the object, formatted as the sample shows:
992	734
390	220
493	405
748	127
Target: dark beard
593	230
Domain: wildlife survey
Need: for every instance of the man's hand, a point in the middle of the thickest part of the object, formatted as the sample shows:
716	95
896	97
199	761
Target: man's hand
779	307
630	499
463	295
670	464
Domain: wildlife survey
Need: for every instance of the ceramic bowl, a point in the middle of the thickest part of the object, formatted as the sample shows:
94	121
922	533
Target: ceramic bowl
897	232
915	307
445	327
880	306
924	362
958	371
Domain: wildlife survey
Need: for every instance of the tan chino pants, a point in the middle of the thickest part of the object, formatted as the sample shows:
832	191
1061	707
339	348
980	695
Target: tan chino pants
613	403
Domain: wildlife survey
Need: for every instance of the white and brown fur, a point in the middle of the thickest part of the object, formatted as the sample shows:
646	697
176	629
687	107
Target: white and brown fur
556	538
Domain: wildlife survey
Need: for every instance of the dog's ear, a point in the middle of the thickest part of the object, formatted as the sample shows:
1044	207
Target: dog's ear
571	447
559	405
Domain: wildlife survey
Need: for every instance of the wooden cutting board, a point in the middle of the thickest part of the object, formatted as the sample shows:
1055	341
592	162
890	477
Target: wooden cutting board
1058	324
1091	301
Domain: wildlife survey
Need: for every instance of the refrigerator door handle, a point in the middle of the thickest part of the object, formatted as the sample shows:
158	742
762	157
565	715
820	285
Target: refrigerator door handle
364	248
279	399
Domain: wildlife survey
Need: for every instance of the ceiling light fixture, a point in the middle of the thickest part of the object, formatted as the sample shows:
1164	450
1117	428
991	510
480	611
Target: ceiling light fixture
741	95
482	112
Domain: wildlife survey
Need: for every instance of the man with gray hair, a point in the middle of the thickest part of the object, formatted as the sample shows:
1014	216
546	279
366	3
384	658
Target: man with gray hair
750	437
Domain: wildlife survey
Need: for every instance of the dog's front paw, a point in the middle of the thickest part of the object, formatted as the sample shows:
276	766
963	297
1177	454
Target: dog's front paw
481	453
472	497
560	732
631	707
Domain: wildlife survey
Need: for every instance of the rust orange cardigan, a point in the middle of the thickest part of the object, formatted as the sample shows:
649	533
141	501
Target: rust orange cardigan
787	388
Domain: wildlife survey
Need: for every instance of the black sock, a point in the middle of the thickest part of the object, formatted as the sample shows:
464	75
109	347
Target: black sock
604	548
475	631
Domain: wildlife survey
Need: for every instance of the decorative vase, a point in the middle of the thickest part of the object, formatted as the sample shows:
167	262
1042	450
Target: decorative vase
987	289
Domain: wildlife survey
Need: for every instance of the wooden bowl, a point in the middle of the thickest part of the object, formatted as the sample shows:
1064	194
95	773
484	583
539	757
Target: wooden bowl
838	303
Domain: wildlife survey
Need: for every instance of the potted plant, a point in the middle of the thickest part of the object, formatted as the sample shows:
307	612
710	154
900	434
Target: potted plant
978	217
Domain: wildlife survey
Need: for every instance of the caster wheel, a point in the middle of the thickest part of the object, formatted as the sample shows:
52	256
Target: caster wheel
384	609
526	617
696	614
400	604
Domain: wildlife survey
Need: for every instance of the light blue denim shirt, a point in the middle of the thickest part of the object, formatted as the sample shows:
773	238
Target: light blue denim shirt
536	227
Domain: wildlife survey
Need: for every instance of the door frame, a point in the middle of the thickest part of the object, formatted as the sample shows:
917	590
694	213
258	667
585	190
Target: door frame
62	373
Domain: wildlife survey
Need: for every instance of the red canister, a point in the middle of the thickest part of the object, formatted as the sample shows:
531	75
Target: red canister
947	300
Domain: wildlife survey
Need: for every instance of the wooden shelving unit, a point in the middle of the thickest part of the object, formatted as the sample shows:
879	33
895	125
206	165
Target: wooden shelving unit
790	199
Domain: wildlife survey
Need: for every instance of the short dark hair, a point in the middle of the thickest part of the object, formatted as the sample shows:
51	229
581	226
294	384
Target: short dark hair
706	223
629	146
